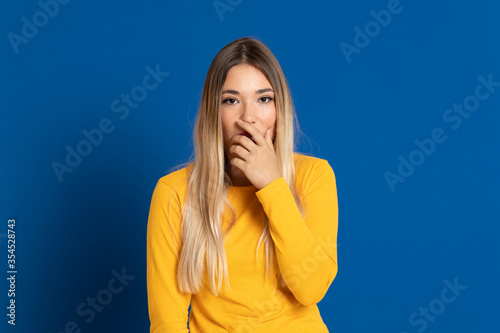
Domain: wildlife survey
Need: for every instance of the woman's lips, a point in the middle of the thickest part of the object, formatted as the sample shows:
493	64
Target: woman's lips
248	135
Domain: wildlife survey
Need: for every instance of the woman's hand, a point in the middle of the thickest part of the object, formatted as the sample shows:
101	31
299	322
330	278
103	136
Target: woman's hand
256	156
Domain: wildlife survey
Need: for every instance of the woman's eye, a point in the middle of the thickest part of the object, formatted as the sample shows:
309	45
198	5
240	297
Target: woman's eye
266	99
229	101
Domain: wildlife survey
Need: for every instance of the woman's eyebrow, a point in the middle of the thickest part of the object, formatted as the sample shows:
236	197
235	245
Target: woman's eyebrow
229	91
260	91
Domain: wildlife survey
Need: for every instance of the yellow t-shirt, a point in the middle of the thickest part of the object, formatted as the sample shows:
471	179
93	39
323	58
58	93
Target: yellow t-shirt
306	255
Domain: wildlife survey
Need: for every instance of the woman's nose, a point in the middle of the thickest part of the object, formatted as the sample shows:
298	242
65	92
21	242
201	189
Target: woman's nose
248	113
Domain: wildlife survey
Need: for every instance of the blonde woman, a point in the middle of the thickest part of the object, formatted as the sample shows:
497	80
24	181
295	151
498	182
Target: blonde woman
246	233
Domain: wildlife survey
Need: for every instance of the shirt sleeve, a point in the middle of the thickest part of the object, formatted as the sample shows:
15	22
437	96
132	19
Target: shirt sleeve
168	307
306	248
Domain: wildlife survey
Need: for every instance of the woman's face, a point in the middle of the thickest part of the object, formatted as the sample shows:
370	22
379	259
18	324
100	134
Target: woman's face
247	95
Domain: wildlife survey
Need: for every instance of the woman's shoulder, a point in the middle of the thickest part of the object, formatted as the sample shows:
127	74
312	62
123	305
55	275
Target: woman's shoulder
177	178
309	169
305	163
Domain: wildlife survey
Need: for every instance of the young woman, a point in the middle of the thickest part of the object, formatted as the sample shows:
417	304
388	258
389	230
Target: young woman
246	233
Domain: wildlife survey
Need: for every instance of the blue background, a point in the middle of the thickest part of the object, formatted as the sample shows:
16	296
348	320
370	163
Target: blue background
396	245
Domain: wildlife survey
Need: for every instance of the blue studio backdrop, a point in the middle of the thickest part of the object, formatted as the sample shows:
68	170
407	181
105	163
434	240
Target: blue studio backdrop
401	97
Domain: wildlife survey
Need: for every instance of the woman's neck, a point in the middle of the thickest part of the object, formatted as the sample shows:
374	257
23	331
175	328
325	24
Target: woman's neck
238	178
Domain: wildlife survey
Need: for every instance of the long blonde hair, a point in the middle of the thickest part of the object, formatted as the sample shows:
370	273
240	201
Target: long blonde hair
206	205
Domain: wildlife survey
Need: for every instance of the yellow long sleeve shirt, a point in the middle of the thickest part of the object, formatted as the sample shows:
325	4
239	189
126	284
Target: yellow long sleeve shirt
306	255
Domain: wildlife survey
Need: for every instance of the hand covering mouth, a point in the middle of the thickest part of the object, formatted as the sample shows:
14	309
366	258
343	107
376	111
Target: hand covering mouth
248	135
